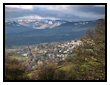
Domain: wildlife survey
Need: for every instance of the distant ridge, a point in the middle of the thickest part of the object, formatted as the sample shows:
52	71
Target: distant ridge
24	33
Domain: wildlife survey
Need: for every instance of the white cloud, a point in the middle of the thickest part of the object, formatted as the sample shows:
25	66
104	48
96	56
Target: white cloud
56	7
99	5
36	17
52	7
62	7
29	17
65	12
20	6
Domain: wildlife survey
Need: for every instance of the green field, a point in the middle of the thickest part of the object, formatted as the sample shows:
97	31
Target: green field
19	58
32	72
67	67
10	50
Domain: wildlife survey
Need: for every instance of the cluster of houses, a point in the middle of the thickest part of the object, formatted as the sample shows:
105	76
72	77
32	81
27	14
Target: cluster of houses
55	52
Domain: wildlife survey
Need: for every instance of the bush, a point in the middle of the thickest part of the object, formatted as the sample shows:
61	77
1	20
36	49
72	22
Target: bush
49	72
14	70
91	51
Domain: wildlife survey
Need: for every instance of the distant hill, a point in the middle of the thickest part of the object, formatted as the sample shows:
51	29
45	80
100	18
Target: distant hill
24	32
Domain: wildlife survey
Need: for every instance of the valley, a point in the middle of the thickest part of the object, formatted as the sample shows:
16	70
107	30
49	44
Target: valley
50	53
49	41
38	47
35	56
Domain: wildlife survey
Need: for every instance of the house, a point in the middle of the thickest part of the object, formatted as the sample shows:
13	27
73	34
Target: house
40	62
25	55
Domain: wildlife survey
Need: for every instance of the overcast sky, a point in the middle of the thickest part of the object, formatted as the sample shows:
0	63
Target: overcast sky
55	12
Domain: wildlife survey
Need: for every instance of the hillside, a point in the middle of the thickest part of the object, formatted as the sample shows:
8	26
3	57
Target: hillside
19	34
83	59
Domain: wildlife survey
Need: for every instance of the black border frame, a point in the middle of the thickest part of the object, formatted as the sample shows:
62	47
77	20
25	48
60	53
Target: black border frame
54	4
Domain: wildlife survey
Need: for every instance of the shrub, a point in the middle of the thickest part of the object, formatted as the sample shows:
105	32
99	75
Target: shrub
14	70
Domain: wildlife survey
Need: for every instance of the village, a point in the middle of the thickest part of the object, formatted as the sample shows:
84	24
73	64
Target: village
43	53
35	56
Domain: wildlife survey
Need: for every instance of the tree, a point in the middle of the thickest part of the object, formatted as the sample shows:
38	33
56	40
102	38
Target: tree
14	70
91	53
49	72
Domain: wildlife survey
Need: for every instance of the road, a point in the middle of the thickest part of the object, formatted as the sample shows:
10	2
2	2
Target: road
30	58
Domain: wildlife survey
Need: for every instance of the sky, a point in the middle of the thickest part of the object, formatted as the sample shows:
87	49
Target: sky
55	12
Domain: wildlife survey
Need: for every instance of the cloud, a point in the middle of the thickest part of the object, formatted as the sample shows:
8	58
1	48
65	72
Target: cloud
30	7
36	17
64	12
99	5
96	9
58	7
